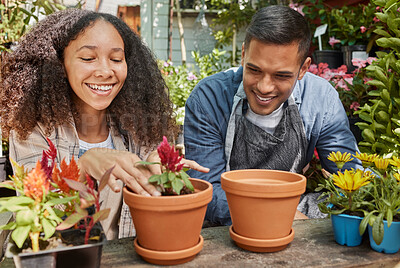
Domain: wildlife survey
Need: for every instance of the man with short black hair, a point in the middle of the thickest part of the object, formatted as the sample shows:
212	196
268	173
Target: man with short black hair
270	113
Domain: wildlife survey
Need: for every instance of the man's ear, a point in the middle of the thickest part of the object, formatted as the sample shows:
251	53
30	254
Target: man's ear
304	68
242	59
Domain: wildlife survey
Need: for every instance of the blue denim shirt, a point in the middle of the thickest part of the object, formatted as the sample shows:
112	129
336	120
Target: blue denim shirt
207	114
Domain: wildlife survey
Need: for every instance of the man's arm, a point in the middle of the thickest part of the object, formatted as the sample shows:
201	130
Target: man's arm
204	143
336	136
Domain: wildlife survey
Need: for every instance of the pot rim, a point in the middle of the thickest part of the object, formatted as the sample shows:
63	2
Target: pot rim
170	203
231	182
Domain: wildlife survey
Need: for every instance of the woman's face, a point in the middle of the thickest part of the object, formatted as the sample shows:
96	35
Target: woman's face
95	66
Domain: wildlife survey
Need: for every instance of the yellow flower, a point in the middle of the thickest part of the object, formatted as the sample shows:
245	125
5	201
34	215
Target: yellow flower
366	159
395	161
381	163
397	176
339	158
351	180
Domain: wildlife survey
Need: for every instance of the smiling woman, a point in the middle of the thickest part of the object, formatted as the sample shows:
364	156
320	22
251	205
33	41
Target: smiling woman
87	82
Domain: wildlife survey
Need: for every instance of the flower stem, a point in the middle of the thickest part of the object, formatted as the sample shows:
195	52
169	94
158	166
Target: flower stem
35	241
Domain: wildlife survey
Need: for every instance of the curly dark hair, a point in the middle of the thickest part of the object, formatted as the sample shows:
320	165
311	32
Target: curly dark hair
34	88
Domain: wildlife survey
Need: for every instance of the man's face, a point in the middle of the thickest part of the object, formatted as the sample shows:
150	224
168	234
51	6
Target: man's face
269	74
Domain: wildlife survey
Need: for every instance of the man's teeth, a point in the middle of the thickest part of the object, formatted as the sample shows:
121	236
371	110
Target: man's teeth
263	99
101	88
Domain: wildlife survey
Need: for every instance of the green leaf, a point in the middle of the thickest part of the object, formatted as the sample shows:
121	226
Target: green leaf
20	234
382	32
147	163
61	200
164	178
364	223
156	178
72	219
177	185
9	226
378	230
185	178
48	229
101	215
171	176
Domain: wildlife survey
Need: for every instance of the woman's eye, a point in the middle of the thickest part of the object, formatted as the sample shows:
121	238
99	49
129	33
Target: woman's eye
283	77
254	70
116	60
86	59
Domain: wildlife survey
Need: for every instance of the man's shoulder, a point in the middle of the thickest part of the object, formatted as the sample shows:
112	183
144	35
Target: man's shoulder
222	85
313	85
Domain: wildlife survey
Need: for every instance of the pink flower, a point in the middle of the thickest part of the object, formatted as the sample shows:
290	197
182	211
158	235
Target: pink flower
333	41
375	19
170	158
359	63
191	76
371	59
363	29
354	106
349	80
297	7
313	69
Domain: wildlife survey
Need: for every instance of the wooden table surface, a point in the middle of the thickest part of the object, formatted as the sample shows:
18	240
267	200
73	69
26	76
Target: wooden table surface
313	246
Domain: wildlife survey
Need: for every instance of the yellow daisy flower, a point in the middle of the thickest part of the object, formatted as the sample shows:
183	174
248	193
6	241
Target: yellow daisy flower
366	159
381	163
350	180
339	158
395	161
397	176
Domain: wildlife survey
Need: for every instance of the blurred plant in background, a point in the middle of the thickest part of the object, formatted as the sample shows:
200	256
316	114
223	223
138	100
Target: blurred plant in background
181	79
16	18
352	88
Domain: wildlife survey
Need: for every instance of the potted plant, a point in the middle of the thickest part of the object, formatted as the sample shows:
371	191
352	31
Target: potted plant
168	227
381	129
344	198
262	204
382	214
353	89
51	213
353	28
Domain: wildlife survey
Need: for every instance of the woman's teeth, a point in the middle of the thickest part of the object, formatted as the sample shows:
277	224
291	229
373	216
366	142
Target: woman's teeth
100	88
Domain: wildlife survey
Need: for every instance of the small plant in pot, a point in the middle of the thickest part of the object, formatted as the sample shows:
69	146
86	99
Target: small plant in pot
51	213
168	226
382	213
345	197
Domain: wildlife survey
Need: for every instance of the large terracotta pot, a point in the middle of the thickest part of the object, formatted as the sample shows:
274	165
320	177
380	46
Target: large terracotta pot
169	223
262	204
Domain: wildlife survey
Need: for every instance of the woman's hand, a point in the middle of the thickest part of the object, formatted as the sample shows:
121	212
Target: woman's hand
97	161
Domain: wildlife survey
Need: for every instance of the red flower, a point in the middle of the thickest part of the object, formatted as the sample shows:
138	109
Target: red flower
170	157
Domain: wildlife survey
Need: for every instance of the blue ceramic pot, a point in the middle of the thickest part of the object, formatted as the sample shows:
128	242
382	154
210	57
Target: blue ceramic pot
345	229
391	238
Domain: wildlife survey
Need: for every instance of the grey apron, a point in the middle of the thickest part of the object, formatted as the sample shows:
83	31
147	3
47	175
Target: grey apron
284	150
249	146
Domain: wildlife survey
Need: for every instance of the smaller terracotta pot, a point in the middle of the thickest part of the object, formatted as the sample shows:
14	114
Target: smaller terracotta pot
262	204
169	223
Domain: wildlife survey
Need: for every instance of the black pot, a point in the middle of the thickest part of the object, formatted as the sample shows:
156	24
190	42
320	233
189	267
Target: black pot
334	58
356	52
77	256
354	128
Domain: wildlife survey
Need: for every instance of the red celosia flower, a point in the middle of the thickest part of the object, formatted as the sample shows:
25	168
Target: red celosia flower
169	156
36	182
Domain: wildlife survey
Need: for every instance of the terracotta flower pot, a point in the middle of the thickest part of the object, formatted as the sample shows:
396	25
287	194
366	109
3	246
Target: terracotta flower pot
169	223
262	204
